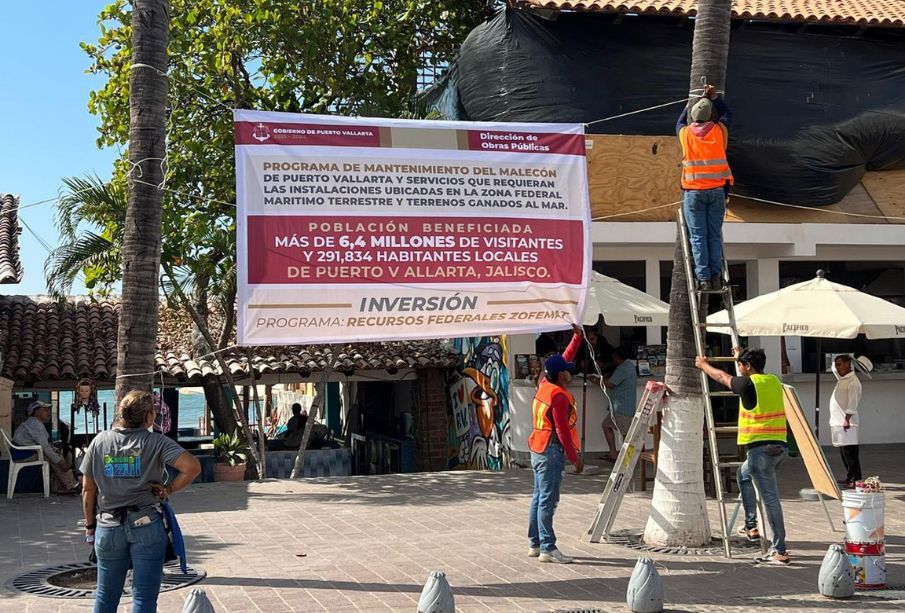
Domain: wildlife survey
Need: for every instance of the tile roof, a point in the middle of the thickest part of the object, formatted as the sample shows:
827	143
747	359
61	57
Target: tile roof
42	340
10	266
888	13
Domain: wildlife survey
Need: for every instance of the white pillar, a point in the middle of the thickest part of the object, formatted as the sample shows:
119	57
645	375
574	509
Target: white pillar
763	278
652	287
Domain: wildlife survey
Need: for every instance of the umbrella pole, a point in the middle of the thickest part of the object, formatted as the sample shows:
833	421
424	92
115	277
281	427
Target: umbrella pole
817	392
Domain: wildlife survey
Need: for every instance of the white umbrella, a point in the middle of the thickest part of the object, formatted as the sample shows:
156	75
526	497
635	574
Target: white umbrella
816	308
622	305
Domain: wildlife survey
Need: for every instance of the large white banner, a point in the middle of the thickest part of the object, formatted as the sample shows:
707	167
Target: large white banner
381	229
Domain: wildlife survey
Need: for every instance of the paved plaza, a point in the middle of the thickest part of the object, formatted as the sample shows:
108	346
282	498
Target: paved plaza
368	543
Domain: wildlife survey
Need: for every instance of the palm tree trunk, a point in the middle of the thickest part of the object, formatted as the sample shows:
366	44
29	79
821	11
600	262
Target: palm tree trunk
137	334
678	510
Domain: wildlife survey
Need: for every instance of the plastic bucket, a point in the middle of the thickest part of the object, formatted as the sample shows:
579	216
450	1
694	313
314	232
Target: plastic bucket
869	563
864	516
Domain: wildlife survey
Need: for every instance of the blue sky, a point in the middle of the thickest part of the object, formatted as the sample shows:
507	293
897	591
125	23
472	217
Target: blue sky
47	132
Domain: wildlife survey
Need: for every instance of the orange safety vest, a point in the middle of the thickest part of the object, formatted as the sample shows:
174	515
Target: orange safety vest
543	417
704	164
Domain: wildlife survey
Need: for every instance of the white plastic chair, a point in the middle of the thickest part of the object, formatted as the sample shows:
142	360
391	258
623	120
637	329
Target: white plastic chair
16	465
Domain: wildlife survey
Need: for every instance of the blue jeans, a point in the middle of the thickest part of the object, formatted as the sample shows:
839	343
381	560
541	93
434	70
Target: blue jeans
704	213
144	547
761	466
548	468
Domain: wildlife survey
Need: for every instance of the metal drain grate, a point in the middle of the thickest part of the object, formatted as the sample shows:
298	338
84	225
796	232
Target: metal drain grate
632	540
36	582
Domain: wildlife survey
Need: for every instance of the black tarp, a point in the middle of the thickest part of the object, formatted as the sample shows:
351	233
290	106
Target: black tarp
812	110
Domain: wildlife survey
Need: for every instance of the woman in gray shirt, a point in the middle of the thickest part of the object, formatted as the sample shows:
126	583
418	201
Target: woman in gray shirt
123	474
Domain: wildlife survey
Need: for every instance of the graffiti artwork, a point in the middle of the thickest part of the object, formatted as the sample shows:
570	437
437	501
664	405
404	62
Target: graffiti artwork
478	411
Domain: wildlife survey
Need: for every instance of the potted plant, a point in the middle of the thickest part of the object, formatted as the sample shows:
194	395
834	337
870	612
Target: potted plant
231	455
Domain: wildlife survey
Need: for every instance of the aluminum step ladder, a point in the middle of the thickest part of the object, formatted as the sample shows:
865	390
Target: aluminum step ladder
695	298
621	476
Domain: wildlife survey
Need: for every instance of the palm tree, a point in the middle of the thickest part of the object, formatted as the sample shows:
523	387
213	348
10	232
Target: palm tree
136	341
679	511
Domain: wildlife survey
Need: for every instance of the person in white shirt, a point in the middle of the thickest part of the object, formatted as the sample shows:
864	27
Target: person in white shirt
33	432
844	417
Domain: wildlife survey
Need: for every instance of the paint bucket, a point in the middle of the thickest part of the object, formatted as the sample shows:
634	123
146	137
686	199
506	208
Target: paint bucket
869	563
864	516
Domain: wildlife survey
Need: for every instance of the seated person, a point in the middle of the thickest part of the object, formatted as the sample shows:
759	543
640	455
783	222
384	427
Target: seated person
33	432
297	421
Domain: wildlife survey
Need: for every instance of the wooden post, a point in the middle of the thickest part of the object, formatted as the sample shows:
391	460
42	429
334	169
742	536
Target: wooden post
299	468
268	401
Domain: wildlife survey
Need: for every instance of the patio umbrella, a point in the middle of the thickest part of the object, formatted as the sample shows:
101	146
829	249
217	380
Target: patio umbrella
816	308
622	305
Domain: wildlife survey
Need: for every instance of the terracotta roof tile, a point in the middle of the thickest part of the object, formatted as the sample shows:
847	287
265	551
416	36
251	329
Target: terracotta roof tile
42	340
889	13
10	266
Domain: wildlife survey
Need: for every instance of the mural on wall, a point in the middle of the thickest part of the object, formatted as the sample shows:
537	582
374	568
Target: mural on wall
478	405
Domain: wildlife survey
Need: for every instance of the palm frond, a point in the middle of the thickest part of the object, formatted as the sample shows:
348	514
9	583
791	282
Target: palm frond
92	200
65	262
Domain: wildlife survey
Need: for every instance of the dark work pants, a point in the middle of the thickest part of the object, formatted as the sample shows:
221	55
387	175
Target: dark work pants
851	462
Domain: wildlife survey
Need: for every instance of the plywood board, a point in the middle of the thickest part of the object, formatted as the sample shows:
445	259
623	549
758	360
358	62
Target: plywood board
887	189
857	201
633	173
631	177
814	460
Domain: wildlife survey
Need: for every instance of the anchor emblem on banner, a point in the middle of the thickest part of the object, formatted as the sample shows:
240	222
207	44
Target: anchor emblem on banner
260	133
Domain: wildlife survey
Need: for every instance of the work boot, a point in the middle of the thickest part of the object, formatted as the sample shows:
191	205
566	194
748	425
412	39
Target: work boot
555	556
703	286
716	282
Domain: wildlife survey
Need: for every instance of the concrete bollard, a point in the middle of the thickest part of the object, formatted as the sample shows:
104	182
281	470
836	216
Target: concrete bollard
437	596
645	589
836	578
197	602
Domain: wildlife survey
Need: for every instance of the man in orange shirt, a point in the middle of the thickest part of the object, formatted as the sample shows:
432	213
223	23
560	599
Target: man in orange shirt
706	178
553	440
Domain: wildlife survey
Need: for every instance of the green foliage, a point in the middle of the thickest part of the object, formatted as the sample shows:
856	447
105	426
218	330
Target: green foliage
93	251
318	56
231	449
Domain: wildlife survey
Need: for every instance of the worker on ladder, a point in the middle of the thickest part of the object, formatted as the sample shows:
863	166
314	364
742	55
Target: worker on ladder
762	427
553	440
705	181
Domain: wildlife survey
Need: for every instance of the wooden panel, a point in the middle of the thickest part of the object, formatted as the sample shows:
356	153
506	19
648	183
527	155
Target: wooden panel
887	189
857	201
814	460
630	178
632	173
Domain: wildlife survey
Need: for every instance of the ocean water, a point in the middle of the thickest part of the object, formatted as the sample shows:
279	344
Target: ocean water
191	408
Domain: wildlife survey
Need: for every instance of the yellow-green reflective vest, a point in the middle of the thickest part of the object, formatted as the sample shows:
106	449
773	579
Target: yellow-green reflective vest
767	420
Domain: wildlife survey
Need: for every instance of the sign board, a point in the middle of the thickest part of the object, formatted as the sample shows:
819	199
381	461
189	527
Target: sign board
814	461
366	229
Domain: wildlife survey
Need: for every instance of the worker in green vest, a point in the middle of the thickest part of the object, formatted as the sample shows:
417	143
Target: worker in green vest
762	428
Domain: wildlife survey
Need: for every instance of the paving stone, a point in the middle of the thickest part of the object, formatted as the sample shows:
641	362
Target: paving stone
368	544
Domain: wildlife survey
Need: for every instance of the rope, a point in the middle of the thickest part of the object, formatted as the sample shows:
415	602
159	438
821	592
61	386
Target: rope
644	110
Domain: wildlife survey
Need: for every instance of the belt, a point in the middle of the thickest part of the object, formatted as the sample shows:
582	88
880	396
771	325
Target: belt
122	515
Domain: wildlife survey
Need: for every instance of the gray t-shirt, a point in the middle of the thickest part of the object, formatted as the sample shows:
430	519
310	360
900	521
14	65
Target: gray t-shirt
123	461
